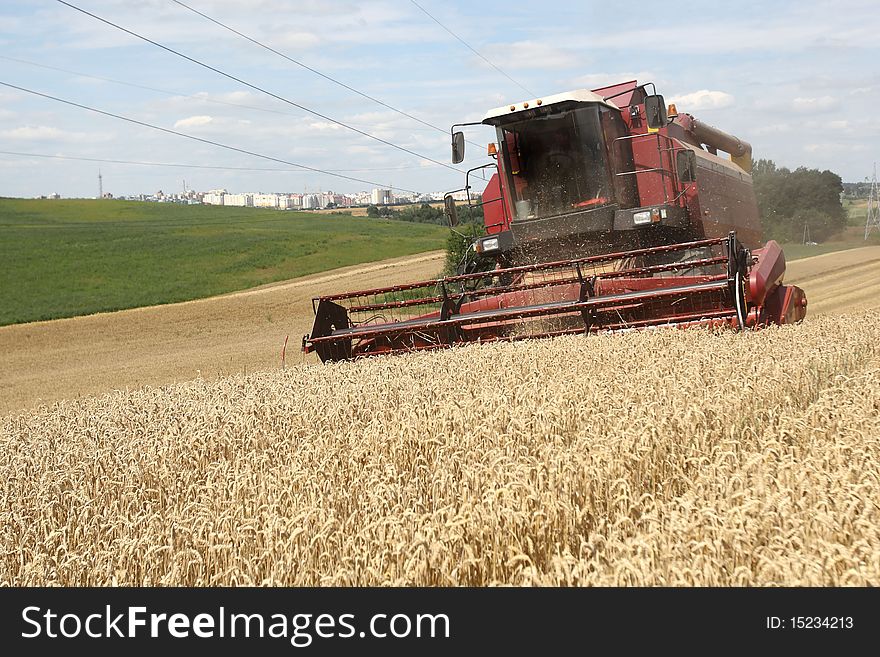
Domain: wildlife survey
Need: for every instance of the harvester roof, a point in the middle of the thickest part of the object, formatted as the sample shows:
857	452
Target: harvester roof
493	116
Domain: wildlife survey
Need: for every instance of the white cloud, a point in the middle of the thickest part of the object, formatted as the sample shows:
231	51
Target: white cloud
29	132
789	33
362	150
325	125
702	100
296	41
821	104
48	133
529	55
598	80
835	147
11	24
240	96
82	80
374	118
771	128
193	121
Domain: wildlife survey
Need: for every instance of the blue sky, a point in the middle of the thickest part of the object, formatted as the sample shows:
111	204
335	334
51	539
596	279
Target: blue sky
799	80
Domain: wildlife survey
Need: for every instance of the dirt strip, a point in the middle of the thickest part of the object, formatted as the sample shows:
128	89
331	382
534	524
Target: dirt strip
244	331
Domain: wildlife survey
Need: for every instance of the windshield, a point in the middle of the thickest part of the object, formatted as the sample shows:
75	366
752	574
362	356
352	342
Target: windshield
555	163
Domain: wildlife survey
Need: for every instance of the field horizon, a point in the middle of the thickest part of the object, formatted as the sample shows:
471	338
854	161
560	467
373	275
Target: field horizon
65	259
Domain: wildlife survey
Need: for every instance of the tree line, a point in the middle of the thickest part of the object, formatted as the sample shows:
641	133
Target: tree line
789	201
425	213
857	189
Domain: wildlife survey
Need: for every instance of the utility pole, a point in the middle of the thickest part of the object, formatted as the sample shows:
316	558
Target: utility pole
101	186
873	219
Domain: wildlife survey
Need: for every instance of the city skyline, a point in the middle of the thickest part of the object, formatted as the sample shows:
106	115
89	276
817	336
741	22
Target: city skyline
282	200
798	84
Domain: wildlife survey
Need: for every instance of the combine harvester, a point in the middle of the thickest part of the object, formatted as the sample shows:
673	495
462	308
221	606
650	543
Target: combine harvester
606	210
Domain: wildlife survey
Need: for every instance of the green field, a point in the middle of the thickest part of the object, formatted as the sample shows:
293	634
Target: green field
851	238
63	258
856	211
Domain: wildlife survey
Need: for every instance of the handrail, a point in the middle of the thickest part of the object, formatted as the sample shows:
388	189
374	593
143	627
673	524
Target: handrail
662	170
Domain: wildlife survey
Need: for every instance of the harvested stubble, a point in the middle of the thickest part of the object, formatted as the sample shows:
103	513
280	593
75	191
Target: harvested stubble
661	457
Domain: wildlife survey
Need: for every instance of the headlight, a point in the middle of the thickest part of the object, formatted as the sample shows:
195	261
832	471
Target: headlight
651	216
490	244
642	217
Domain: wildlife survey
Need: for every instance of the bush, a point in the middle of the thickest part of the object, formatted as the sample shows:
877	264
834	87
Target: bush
423	214
458	243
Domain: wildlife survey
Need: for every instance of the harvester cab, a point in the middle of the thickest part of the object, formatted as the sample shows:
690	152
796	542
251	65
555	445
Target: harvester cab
605	210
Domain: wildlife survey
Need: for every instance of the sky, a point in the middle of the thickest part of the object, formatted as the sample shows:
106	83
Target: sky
798	80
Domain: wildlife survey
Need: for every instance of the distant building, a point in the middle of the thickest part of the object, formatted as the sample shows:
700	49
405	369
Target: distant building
311	201
361	198
381	197
266	200
239	200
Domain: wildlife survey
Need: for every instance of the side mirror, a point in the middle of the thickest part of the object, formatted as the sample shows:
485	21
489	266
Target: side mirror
457	147
655	109
686	163
449	209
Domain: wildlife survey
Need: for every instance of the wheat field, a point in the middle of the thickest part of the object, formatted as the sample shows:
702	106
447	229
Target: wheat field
664	457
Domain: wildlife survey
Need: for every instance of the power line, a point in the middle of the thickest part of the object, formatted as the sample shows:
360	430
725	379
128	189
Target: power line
175	94
309	68
141	86
468	46
189	166
257	88
200	139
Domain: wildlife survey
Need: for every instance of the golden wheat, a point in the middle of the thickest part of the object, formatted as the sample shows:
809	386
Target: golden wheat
662	457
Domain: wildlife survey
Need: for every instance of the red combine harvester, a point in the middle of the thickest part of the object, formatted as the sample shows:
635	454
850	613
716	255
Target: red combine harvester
605	211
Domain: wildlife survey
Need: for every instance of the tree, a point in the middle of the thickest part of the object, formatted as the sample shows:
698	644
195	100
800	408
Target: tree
422	213
789	200
372	211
